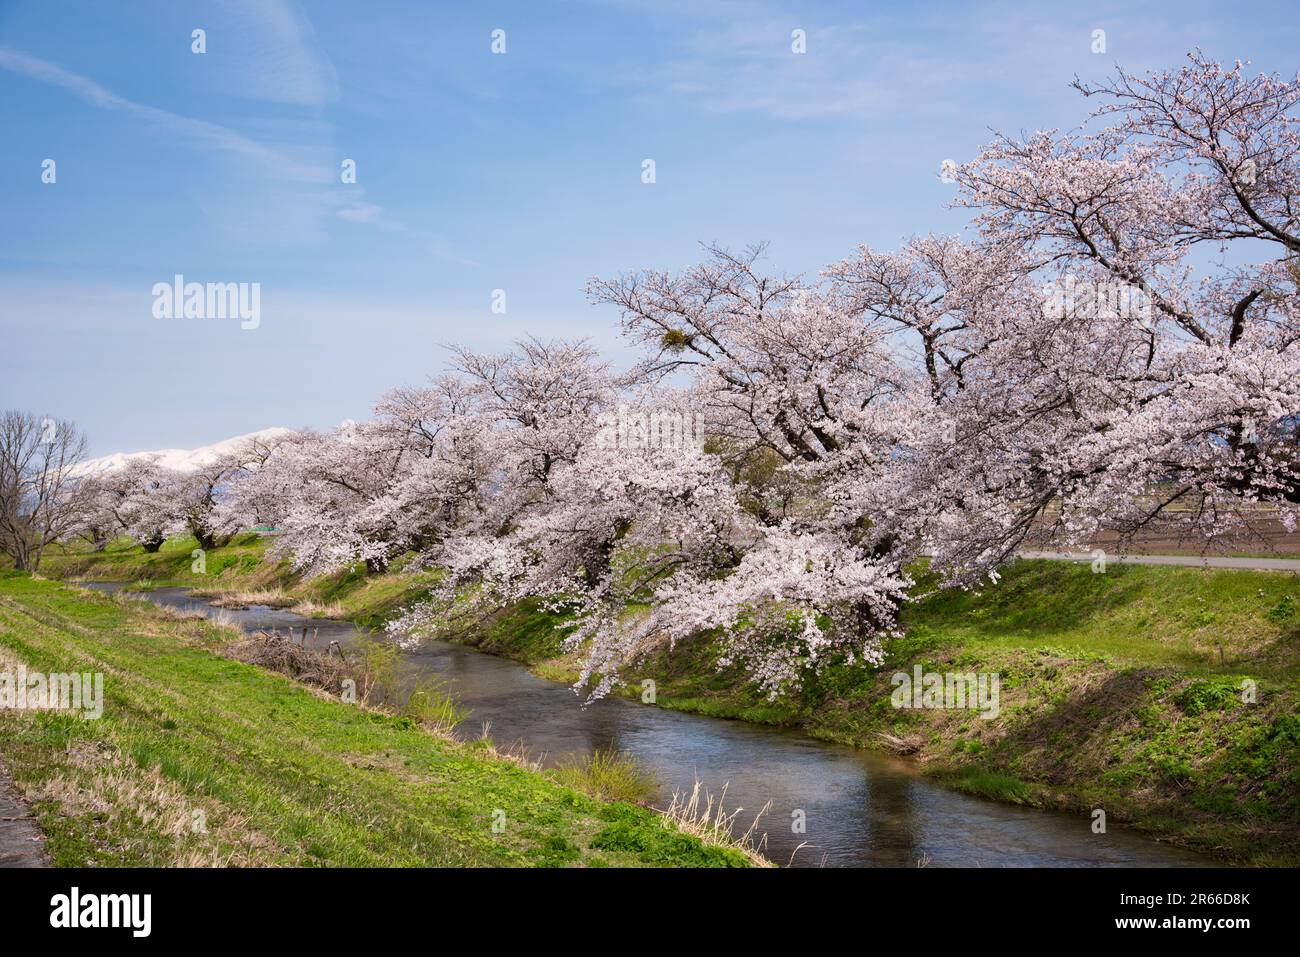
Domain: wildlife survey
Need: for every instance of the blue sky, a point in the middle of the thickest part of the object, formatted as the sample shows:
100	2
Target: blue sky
476	171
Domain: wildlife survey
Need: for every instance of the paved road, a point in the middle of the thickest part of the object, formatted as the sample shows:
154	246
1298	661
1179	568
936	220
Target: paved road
1189	561
21	842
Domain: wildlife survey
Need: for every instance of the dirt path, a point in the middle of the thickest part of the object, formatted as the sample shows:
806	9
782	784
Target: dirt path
21	841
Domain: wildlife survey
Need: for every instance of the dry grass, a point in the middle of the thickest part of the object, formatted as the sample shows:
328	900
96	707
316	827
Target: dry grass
8	660
702	815
243	597
516	754
314	609
909	744
279	653
127	599
129	807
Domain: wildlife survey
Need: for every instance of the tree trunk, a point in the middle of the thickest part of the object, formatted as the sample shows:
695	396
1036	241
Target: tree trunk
207	539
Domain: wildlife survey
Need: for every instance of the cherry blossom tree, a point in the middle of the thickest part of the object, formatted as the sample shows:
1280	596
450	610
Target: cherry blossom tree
1095	364
97	524
645	541
191	499
371	491
129	499
537	404
804	401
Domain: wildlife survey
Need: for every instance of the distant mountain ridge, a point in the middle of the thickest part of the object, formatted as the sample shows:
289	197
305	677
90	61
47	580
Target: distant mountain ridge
182	460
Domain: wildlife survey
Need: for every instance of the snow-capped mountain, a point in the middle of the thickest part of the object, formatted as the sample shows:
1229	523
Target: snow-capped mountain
182	460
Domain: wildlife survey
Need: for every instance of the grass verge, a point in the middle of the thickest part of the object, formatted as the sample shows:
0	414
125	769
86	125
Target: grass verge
202	760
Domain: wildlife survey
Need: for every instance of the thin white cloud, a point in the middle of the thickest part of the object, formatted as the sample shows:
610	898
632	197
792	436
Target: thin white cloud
199	133
855	69
295	212
891	62
268	51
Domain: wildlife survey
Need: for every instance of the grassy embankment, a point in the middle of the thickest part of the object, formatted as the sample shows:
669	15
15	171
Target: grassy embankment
201	760
1119	690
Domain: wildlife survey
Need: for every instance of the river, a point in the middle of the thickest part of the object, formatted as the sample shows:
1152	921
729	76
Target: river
858	808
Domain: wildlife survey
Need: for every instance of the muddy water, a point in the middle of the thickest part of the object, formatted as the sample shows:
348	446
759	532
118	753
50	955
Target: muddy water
859	809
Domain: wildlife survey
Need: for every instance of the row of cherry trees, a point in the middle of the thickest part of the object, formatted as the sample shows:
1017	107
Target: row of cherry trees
149	502
1113	347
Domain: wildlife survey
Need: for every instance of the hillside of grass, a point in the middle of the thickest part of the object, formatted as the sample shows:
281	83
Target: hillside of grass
1122	690
1127	691
201	760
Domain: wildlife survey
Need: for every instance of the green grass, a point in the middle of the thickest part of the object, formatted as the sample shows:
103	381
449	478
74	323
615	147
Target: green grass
607	776
199	759
1120	690
1219	620
989	784
243	565
173	564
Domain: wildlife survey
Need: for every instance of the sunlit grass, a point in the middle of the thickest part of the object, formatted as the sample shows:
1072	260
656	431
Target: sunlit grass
202	760
607	776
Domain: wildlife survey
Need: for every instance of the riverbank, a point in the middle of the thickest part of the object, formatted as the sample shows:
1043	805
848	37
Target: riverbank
1120	691
200	760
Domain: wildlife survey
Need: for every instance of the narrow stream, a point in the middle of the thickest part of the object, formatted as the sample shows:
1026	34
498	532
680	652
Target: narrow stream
860	809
